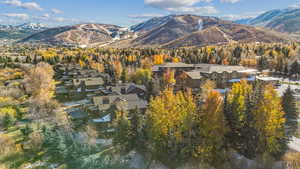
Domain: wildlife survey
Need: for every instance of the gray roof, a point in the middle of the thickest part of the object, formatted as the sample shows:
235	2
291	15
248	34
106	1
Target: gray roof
125	102
77	114
175	65
211	68
127	86
194	75
204	68
89	81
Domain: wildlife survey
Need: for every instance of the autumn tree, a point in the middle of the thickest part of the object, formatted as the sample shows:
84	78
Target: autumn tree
211	128
39	81
269	122
206	88
238	109
169	78
168	123
40	85
158	59
118	69
142	76
97	66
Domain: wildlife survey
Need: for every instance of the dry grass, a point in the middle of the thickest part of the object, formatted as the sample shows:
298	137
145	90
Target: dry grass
292	160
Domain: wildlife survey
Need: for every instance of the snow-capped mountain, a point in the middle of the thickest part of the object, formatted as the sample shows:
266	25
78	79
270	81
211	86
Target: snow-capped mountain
32	26
81	34
152	23
283	20
20	31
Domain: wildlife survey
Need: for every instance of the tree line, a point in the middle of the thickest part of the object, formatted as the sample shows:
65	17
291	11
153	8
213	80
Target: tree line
250	120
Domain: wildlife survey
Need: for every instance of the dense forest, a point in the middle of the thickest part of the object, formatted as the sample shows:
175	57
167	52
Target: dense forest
206	130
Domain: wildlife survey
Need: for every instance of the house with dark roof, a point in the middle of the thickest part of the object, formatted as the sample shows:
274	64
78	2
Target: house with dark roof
119	102
159	70
128	88
88	84
196	74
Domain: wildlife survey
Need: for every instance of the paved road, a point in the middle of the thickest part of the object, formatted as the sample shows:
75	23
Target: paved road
295	144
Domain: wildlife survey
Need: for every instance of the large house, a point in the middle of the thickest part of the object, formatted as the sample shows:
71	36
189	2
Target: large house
125	102
127	88
193	75
88	84
159	70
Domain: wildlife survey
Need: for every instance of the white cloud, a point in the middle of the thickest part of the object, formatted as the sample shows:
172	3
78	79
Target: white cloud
56	11
241	16
204	10
21	16
25	5
183	6
163	4
46	15
230	1
297	5
145	16
59	19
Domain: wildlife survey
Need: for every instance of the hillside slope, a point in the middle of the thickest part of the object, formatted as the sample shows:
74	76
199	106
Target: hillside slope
285	20
191	30
82	34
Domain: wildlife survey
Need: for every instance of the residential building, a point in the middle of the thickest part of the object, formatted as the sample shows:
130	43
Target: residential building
88	84
193	75
120	102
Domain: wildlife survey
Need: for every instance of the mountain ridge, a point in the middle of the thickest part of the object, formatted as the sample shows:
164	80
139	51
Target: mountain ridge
157	32
282	20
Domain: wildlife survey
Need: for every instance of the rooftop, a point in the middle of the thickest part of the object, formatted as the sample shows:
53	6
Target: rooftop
207	68
194	75
89	81
126	102
175	65
211	68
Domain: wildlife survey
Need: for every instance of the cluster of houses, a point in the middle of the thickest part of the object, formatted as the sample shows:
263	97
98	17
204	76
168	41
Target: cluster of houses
100	97
95	94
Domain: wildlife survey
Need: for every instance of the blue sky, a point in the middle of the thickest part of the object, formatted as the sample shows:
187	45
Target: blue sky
128	12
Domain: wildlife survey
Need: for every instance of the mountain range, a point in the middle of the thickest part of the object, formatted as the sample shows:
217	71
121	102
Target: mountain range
282	20
192	31
81	34
20	31
167	31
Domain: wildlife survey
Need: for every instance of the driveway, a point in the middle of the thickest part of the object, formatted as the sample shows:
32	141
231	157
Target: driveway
295	144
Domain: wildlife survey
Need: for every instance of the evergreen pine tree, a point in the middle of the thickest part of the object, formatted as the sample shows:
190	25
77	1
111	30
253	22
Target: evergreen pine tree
7	121
291	113
295	68
124	76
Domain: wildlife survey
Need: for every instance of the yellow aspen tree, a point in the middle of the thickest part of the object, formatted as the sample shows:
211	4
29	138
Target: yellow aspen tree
169	116
237	100
158	59
175	60
269	121
118	69
211	131
169	78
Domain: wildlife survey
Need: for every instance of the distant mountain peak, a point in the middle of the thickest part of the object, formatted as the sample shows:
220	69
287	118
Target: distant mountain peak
283	20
